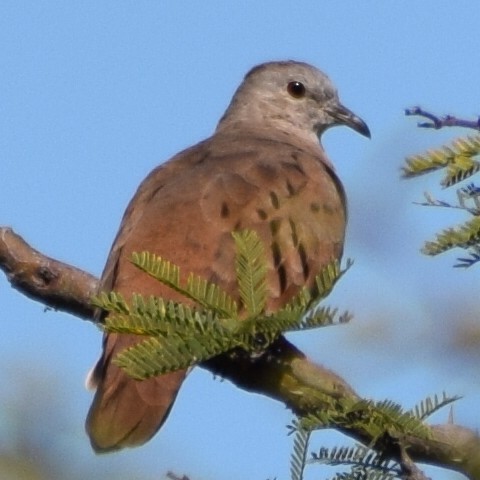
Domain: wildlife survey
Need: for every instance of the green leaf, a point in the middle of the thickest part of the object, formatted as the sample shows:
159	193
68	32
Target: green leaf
298	459
111	301
364	463
158	268
198	289
323	317
251	270
463	236
376	418
427	162
461	168
211	296
163	354
457	157
430	405
329	276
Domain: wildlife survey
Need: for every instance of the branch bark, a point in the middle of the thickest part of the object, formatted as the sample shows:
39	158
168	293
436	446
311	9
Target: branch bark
48	281
284	374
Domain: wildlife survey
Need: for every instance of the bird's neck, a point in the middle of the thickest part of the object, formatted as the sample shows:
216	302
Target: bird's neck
275	129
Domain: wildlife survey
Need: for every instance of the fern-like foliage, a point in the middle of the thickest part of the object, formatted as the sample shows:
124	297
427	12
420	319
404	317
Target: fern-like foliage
162	354
459	161
197	289
302	312
464	236
363	462
385	422
251	269
362	474
298	459
177	335
376	418
430	405
174	335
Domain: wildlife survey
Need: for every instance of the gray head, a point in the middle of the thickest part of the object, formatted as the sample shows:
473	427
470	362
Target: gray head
290	96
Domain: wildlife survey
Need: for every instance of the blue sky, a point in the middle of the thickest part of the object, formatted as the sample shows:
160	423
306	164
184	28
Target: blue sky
94	94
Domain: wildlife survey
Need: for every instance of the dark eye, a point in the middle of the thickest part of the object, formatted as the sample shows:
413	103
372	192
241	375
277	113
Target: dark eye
296	89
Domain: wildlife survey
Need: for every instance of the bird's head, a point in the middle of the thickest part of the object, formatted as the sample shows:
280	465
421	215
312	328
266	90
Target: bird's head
290	96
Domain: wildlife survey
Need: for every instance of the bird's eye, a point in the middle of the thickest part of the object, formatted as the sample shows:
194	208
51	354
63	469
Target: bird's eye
296	89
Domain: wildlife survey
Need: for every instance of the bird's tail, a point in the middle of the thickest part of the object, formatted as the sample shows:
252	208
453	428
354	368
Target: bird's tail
127	412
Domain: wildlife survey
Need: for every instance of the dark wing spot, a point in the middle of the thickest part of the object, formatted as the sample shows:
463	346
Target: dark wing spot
262	214
274	200
291	189
294	231
282	278
281	272
303	258
315	207
224	211
277	256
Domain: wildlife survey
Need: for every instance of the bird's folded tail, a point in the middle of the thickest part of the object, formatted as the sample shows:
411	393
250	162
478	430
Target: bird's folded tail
127	412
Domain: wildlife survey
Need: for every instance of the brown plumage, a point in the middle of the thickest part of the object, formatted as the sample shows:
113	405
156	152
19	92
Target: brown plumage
263	169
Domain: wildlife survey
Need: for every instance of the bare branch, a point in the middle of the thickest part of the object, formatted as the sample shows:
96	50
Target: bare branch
283	373
437	122
53	283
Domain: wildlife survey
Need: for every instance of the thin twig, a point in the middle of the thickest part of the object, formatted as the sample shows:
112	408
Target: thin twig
436	122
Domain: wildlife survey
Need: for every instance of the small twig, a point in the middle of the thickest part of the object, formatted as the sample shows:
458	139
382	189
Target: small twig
437	122
172	476
441	204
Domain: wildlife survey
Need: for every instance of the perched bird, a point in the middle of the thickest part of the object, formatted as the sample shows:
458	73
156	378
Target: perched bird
263	169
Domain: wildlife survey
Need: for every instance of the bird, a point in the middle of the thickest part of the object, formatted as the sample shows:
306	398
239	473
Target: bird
264	169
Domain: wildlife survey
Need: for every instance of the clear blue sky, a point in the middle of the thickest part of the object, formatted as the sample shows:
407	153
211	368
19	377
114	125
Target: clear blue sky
94	94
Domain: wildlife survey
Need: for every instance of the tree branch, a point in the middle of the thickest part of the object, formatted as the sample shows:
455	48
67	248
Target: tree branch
283	373
48	281
437	122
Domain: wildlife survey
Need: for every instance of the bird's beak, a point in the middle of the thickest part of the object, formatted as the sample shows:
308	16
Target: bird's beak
344	116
